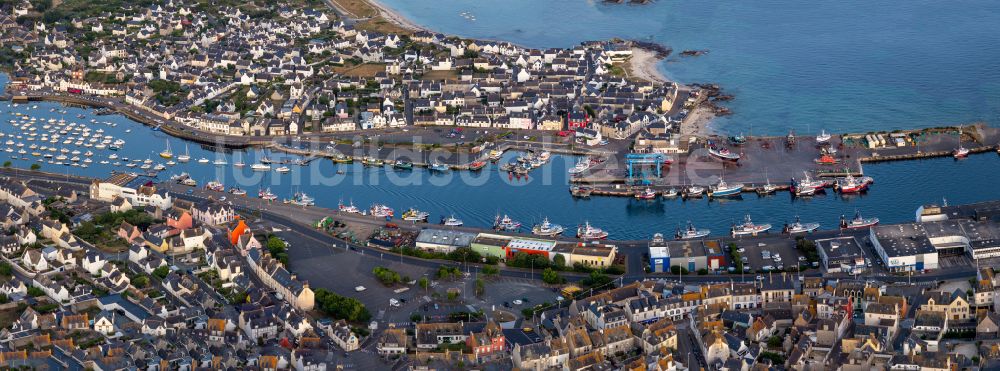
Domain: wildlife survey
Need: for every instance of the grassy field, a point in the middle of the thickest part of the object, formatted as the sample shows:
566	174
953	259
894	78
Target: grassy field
8	316
440	75
359	8
361	70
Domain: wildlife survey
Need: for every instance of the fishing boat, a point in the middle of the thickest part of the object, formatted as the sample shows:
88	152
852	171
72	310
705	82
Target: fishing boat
960	152
545	156
266	195
749	228
723	189
646	194
547	229
349	208
215	186
850	184
724	154
694	191
371	161
414	215
669	193
589	232
342	159
738	140
439	167
301	199
580	167
477	165
857	222
495	155
766	189
185	157
506	224
189	182
826	159
381	211
236	191
166	153
823	137
691	232
260	167
580	191
402	165
265	160
799	227
283	169
806	186
451	221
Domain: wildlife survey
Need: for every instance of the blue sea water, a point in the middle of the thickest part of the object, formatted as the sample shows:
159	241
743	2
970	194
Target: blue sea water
478	197
843	66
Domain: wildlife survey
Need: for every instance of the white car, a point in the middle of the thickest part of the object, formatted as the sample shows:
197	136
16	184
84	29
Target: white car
517	302
360	288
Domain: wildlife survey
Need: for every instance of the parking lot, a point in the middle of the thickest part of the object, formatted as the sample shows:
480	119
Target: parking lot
516	294
778	252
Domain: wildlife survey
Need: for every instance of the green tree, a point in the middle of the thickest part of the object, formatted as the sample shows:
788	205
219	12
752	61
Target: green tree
559	261
5	269
490	270
596	279
35	166
448	273
387	276
140	282
161	272
340	307
35	292
278	249
424	282
7	164
550	276
480	287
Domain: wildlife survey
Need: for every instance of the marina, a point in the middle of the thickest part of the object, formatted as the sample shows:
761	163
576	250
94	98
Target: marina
551	190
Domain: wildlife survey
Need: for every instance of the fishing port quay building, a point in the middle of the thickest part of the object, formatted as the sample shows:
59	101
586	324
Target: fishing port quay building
503	247
919	246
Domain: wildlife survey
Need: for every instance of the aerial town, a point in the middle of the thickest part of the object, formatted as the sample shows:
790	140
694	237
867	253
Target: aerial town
130	271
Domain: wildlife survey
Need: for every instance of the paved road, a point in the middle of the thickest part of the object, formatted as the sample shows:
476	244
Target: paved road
279	214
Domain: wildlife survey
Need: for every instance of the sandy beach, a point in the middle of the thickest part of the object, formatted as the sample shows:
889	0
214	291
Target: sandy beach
390	15
697	122
643	65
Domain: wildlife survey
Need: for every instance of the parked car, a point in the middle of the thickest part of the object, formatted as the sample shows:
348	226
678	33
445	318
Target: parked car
360	288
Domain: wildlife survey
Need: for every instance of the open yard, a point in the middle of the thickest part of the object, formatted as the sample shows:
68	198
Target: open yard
440	75
361	70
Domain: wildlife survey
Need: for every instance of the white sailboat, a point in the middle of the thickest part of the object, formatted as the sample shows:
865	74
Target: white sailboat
185	157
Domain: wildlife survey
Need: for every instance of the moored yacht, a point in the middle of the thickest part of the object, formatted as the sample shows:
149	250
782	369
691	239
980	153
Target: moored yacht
857	222
547	229
799	227
589	232
749	228
691	232
506	224
414	215
451	221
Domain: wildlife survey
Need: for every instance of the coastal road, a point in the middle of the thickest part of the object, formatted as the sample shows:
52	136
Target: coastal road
280	215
